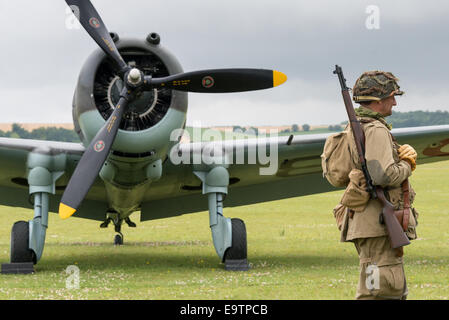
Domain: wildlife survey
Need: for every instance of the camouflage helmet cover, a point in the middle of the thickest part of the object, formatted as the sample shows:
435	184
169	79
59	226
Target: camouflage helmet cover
375	86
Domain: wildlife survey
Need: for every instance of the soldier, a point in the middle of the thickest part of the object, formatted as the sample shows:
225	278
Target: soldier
381	267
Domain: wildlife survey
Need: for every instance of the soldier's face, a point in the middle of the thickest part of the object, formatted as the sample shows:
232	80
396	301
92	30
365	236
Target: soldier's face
385	106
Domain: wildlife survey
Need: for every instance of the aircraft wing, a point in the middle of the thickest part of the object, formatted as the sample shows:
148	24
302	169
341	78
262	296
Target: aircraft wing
298	171
14	190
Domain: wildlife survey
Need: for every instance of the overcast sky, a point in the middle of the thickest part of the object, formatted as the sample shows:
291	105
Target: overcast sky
40	57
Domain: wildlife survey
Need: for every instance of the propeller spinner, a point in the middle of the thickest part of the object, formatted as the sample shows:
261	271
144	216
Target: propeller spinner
207	81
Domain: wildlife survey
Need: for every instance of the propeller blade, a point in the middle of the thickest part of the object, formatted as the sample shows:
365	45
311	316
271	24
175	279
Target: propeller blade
220	80
92	23
92	161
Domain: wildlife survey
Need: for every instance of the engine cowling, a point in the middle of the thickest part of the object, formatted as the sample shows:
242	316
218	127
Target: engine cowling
150	119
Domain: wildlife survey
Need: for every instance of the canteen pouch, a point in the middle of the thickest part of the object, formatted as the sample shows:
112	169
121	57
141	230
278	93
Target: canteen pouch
339	214
355	196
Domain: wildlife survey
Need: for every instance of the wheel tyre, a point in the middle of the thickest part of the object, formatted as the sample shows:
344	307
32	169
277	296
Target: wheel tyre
20	251
238	251
118	240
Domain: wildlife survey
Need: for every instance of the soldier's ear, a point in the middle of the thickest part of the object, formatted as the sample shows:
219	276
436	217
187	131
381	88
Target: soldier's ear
366	104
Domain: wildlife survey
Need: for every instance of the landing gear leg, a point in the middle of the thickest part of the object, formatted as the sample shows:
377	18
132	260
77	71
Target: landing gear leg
28	238
38	226
220	226
229	236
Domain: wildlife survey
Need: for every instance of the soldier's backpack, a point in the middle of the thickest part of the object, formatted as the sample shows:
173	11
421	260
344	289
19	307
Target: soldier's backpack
336	160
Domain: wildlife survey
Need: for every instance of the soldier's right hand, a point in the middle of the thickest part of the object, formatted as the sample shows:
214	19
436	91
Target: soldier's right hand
408	153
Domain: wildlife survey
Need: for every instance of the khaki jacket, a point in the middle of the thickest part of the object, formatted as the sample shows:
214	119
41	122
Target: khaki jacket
386	170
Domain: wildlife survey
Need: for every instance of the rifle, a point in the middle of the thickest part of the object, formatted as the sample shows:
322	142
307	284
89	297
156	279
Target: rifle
395	232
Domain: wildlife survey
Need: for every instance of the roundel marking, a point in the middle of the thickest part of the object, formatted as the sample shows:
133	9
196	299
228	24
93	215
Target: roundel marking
208	82
99	146
94	23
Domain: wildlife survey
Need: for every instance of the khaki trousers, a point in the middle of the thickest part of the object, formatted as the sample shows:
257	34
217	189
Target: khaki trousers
381	271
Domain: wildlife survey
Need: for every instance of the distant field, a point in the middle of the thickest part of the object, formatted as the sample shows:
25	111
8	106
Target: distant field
293	247
208	134
32	126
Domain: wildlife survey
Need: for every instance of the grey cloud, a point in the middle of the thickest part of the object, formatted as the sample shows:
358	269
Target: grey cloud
304	39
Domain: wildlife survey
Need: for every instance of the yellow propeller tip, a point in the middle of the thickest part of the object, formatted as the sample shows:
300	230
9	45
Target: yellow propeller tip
65	211
278	78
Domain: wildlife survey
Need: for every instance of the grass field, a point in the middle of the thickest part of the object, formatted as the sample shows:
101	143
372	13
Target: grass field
293	248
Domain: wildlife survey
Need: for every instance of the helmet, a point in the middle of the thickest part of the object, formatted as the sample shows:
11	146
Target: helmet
375	86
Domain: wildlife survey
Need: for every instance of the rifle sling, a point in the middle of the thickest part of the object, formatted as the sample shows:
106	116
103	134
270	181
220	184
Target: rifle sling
404	214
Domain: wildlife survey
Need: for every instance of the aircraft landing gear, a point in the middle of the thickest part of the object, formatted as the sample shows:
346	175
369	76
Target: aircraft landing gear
228	235
119	238
28	238
130	223
106	223
235	257
20	251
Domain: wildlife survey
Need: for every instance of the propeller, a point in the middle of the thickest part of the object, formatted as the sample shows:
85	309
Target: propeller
206	81
220	80
92	23
92	160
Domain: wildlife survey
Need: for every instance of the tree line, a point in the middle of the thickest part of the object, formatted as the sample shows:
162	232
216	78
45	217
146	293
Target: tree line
48	133
416	119
397	119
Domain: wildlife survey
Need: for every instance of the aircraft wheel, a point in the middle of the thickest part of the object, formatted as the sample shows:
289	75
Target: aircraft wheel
118	240
238	251
20	251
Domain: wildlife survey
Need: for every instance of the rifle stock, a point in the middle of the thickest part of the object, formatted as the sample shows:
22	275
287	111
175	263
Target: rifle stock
396	234
394	229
